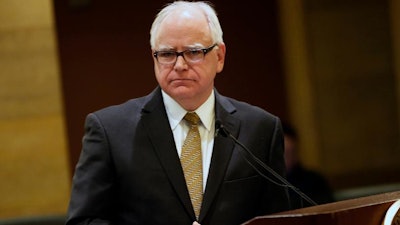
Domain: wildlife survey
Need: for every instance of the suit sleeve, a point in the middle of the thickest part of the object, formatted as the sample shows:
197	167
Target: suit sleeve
92	191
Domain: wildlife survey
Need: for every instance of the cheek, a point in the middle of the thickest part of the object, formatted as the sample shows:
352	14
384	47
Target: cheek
210	72
159	77
157	70
161	74
216	65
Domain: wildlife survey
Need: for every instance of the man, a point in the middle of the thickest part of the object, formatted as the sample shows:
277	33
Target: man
133	167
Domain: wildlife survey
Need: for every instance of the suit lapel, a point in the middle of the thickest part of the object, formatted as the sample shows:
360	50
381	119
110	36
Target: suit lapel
157	126
222	152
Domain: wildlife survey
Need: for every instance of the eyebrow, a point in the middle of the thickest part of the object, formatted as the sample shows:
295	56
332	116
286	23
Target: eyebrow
170	48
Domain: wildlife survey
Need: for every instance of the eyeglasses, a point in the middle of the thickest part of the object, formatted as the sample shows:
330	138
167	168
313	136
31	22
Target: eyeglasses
190	55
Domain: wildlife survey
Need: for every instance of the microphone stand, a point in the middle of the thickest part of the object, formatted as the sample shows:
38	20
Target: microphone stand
284	183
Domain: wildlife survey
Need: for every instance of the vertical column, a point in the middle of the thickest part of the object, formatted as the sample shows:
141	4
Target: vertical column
298	78
33	164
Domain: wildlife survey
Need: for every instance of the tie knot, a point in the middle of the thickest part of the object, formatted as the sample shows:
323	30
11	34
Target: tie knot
192	118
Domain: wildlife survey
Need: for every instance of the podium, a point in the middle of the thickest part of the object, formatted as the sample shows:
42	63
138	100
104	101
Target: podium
370	210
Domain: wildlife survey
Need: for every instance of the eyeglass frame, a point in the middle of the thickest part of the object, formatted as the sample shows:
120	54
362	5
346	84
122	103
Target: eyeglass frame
177	54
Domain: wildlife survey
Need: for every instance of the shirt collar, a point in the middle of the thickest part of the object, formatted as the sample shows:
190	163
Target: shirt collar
176	113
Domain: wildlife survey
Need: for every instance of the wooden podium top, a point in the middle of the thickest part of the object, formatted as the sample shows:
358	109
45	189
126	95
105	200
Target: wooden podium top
369	210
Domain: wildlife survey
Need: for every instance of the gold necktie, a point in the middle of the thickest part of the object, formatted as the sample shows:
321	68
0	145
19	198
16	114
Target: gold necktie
192	163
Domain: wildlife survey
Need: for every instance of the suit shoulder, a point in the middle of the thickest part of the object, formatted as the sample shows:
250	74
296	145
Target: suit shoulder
246	109
130	107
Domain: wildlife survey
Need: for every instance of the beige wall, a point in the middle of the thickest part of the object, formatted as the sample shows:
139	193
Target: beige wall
341	60
299	79
33	164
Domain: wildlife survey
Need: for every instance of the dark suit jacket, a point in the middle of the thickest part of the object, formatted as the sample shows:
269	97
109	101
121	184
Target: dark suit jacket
129	171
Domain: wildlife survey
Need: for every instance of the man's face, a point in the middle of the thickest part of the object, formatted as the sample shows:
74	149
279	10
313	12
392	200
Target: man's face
188	83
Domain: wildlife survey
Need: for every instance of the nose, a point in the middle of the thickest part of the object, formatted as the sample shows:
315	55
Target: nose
180	63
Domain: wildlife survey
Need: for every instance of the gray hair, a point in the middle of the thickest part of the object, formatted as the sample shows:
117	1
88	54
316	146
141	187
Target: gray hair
208	10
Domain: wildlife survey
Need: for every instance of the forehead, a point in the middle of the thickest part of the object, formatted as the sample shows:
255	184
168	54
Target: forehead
187	26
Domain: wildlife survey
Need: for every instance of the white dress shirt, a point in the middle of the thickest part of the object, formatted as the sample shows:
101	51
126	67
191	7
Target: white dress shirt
179	128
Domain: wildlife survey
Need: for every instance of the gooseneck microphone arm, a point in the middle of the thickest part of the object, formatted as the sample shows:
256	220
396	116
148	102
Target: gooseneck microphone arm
220	129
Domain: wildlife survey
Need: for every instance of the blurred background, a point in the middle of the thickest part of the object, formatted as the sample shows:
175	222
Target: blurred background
331	68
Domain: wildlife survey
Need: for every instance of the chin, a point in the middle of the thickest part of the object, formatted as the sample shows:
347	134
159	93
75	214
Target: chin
182	90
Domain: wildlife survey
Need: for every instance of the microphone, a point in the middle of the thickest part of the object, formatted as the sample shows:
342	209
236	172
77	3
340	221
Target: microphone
221	130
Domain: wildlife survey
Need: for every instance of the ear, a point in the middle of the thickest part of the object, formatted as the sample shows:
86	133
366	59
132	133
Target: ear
221	56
